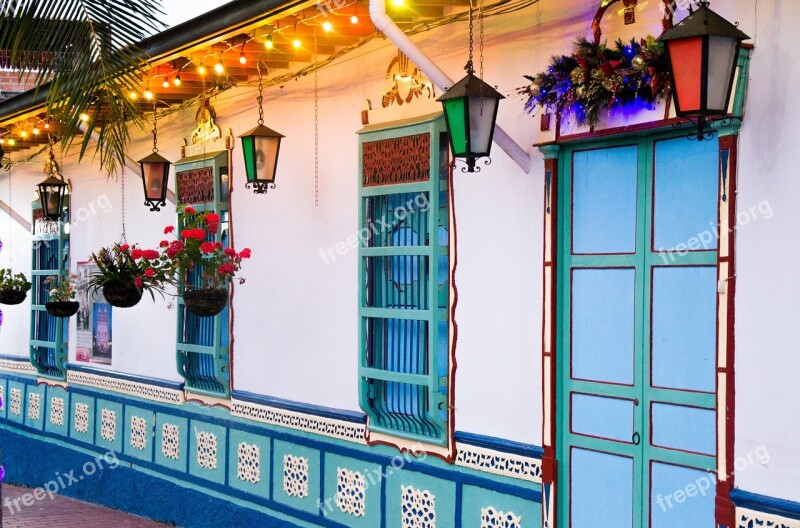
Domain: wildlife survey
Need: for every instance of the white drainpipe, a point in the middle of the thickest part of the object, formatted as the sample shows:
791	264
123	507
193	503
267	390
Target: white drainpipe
384	24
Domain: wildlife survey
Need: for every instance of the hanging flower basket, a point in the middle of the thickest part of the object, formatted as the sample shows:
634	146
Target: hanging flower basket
62	308
205	303
121	294
12	296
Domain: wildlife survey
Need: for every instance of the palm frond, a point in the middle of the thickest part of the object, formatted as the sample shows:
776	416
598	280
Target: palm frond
86	50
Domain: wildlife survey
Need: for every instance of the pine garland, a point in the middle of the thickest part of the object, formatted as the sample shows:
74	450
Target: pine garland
596	77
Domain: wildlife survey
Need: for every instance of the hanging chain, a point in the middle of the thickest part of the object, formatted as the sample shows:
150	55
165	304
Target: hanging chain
316	127
155	129
480	52
260	97
124	237
469	62
10	225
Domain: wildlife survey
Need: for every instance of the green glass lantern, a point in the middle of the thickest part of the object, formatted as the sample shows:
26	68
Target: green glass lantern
470	112
261	147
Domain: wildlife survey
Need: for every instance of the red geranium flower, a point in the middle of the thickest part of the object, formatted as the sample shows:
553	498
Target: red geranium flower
207	247
197	234
174	248
212	218
169	229
228	268
189	210
230	252
136	254
149	272
186	233
150	254
245	253
218	245
163	243
124	248
138	282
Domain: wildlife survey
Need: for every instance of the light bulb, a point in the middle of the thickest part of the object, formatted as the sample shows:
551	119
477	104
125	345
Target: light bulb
11	141
201	69
165	84
354	19
268	44
296	43
218	67
327	26
398	3
84	117
177	80
148	94
133	95
2	141
35	131
47	126
242	58
24	134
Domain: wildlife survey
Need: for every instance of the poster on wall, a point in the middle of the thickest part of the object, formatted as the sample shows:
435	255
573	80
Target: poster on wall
93	335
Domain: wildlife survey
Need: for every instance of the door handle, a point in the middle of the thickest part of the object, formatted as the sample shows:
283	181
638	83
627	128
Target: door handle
636	439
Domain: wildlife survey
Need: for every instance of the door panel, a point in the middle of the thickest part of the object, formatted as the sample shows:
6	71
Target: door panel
681	497
602	177
684	328
594	502
602	417
670	423
611	359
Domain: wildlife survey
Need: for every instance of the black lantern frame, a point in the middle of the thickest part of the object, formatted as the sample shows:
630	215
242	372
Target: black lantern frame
155	173
51	195
700	50
261	147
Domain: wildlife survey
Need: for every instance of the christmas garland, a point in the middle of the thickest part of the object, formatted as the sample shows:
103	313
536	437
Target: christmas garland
597	77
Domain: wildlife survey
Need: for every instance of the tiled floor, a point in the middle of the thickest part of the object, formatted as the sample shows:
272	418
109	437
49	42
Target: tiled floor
61	512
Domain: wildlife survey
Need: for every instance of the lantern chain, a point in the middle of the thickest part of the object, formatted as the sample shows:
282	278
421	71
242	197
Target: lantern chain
469	67
155	129
316	127
260	97
480	53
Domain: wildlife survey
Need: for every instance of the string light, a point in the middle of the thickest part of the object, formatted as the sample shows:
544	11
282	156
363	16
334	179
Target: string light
177	80
11	141
201	70
85	117
268	44
354	19
296	41
24	134
2	141
242	58
327	26
148	94
219	67
398	3
47	126
165	84
133	95
35	131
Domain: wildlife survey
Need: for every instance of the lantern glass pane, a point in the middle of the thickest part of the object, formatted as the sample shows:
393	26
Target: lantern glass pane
721	54
456	124
248	147
481	124
686	60
153	180
266	156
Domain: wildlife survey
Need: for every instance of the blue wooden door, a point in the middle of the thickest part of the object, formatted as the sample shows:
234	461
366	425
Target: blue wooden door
637	334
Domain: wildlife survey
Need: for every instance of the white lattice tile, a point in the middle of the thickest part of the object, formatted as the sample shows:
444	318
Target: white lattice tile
499	463
16	402
34	405
170	441
57	411
108	424
492	518
753	519
351	490
249	463
138	433
207	450
418	508
82	417
133	388
295	476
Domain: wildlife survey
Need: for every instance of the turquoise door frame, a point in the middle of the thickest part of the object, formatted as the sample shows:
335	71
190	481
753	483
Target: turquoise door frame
605	421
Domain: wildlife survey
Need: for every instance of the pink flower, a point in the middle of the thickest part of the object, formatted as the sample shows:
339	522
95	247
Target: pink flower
245	253
136	254
124	248
169	229
149	272
189	210
207	247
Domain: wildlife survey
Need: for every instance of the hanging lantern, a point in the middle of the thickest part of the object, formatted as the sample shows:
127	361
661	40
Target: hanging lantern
261	146
51	195
53	189
702	51
155	174
470	112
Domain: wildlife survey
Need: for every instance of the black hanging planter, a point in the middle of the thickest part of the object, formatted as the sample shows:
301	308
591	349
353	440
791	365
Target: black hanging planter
62	308
121	294
12	296
205	303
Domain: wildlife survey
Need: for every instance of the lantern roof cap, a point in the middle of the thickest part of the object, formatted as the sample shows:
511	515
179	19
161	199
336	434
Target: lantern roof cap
52	180
703	22
154	157
262	131
471	86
